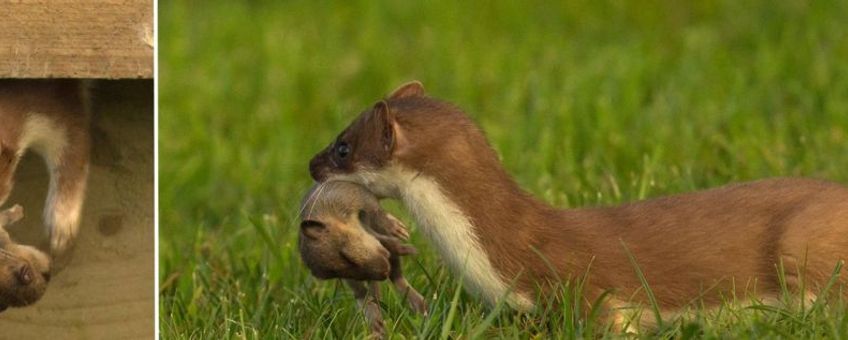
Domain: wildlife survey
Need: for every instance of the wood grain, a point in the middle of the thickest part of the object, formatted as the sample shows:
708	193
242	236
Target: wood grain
76	39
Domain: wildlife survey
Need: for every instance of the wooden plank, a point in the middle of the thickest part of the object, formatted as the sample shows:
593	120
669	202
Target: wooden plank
76	39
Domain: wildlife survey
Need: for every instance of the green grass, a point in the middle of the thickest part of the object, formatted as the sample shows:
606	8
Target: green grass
588	103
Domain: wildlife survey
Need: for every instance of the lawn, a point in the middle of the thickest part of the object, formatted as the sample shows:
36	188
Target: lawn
588	103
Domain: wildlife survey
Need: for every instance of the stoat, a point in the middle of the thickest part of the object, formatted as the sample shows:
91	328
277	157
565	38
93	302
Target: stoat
50	117
696	247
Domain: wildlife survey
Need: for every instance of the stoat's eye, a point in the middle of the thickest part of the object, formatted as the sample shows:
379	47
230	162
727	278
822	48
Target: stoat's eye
342	150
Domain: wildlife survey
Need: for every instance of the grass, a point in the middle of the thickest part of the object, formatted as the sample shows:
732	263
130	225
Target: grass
589	102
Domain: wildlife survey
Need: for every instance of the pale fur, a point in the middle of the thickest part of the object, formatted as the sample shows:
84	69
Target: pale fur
446	226
64	214
45	137
49	140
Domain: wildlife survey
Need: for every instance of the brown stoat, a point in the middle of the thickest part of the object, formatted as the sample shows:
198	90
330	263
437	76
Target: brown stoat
24	270
50	117
691	247
345	234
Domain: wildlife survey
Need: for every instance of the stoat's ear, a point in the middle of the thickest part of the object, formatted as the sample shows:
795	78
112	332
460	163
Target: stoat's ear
410	89
386	123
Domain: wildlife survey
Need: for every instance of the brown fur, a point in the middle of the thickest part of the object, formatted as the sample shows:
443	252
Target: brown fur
64	103
24	270
690	246
346	234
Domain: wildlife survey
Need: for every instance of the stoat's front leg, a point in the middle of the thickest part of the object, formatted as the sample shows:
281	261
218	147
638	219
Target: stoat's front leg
11	215
8	217
68	177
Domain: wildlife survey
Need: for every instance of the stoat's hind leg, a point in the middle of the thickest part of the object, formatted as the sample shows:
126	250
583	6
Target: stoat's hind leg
801	290
625	318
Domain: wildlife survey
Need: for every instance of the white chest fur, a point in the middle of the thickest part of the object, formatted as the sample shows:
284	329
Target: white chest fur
447	227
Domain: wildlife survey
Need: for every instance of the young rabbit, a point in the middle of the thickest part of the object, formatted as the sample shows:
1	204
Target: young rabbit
345	234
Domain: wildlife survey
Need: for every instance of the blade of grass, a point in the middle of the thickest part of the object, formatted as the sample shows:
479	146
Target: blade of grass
446	327
651	298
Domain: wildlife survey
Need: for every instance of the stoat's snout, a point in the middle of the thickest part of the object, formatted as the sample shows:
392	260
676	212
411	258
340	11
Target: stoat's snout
316	168
21	284
24	270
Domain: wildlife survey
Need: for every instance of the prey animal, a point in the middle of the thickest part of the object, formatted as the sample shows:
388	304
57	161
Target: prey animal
24	270
345	234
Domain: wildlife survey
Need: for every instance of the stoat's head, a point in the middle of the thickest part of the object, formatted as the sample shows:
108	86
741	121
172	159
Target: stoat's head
24	274
8	162
371	142
401	137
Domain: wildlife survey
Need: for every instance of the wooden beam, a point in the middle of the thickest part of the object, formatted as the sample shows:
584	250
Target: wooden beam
76	39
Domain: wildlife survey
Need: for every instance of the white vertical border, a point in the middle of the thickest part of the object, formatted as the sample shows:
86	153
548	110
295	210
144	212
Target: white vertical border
156	168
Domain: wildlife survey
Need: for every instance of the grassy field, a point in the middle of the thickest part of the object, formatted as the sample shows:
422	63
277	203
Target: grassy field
588	103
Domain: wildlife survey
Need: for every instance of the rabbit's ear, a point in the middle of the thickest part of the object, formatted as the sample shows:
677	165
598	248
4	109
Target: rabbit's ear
312	229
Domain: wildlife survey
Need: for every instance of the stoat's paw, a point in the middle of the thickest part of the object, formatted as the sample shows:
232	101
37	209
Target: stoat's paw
11	215
16	212
62	236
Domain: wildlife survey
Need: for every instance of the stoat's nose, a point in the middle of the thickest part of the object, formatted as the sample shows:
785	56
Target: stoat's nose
315	169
